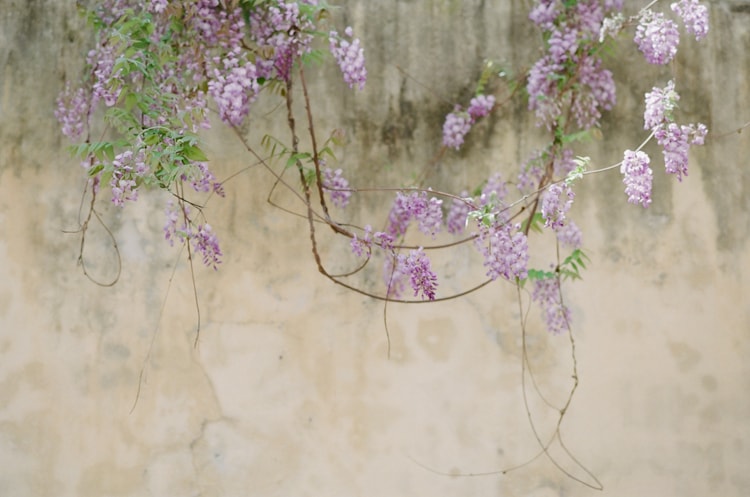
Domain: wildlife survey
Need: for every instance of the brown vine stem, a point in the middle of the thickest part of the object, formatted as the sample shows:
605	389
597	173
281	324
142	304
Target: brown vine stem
83	229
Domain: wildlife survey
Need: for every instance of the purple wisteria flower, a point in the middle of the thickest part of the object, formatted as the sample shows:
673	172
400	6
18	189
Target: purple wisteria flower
459	122
494	191
660	103
657	37
206	243
597	92
564	162
694	15
531	174
426	211
458	212
107	84
480	106
126	169
505	250
350	57
72	111
281	29
544	13
337	187
546	293
457	125
556	202
676	141
363	245
543	90
234	87
421	277
171	232
570	235
638	177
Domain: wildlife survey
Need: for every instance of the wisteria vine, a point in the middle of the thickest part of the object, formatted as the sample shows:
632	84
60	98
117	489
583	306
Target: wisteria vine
158	69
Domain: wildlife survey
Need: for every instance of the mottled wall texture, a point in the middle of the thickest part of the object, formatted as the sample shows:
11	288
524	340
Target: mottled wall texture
290	391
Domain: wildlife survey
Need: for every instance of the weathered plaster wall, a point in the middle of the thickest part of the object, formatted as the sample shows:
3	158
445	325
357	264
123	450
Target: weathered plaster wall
290	391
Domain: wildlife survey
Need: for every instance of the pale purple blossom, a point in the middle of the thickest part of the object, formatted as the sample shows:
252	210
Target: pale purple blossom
531	173
597	91
638	177
544	13
694	15
361	245
421	277
563	44
234	86
657	37
458	212
72	111
556	202
570	235
480	106
171	232
564	162
350	57
426	211
505	250
107	85
126	169
206	243
337	187
280	28
675	141
542	86
660	102
457	125
494	191
546	293
202	179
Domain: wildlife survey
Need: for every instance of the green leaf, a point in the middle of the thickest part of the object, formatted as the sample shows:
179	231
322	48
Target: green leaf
194	153
298	157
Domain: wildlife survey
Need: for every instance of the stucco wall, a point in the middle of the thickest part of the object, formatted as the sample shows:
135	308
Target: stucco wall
290	391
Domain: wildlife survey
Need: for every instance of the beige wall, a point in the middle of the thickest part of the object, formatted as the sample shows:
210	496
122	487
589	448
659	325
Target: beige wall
290	391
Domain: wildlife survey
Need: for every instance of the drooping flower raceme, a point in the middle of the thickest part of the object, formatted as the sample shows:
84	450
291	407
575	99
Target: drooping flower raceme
337	187
546	293
556	202
694	15
480	106
282	29
421	277
459	122
364	244
458	212
234	87
657	37
505	250
570	235
660	103
126	169
676	141
426	211
206	243
350	57
72	111
457	125
638	177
